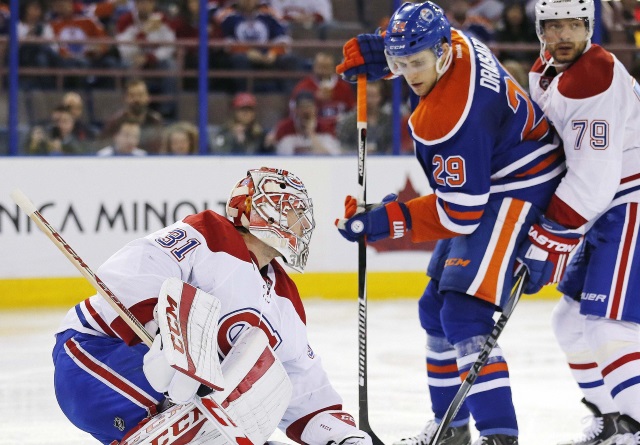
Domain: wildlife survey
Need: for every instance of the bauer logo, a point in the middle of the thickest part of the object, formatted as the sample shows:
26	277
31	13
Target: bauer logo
589	296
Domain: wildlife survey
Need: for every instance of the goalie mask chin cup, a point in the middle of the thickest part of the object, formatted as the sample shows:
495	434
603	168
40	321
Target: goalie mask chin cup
273	205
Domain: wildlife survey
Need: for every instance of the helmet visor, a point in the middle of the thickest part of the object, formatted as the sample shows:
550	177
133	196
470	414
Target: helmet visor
407	65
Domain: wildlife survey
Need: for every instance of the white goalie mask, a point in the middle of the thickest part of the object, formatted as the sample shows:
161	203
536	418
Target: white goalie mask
274	206
563	9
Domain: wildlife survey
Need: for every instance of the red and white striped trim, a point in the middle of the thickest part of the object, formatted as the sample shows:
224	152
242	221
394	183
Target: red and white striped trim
624	260
108	376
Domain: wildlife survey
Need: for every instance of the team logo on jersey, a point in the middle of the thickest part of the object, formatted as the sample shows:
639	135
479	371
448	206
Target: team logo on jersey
118	422
398	26
427	15
234	323
344	417
545	82
310	352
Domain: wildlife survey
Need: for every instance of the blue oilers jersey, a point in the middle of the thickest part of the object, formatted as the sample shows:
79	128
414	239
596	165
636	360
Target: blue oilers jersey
479	137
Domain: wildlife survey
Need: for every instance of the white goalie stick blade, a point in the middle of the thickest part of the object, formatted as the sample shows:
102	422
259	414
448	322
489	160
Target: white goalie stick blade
188	321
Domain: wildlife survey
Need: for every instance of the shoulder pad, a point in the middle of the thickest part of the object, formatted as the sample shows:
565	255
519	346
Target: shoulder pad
589	76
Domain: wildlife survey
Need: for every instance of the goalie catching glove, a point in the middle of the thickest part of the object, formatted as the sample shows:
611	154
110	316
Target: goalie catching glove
184	354
388	219
546	253
364	54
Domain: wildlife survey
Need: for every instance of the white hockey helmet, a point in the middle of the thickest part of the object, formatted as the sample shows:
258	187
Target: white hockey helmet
564	9
273	205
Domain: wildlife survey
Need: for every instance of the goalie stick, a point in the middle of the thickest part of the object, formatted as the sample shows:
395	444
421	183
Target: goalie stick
363	404
209	407
485	351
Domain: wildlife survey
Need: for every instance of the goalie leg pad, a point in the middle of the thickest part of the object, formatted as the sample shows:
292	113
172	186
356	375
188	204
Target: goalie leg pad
257	387
256	395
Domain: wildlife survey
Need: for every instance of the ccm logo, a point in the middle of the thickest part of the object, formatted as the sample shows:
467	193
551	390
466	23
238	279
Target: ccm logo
456	262
189	421
174	325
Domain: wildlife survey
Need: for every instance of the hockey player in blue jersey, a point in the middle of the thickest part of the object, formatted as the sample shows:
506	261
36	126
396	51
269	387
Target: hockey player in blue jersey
493	161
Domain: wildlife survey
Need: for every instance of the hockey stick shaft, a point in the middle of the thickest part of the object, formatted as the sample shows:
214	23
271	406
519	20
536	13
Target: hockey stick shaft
27	207
210	408
485	352
363	403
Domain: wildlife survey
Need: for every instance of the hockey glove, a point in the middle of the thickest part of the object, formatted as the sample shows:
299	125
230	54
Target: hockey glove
389	219
364	54
334	428
546	253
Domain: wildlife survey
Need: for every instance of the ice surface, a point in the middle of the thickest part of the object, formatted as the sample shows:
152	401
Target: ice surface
545	396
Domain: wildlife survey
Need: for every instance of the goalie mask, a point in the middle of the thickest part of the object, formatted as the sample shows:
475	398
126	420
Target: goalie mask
274	206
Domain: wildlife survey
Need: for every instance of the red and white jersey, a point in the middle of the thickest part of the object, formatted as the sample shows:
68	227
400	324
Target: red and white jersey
206	251
595	108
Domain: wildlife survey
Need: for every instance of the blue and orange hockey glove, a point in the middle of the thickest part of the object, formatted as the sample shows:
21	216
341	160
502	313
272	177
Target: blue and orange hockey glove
364	54
546	253
388	219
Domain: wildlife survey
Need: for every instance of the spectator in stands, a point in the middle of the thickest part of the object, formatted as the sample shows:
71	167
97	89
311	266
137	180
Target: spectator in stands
515	27
186	27
70	30
242	134
143	25
305	13
4	19
333	95
250	25
82	130
106	12
36	55
490	10
180	138
304	132
37	142
137	109
126	141
379	124
474	25
61	138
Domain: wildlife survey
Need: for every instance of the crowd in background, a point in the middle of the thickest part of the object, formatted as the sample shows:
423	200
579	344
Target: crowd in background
144	36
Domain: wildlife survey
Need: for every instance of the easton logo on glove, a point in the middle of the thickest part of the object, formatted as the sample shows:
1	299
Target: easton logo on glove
544	240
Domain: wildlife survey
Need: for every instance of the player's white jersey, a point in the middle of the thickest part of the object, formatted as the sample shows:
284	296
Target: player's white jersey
206	251
595	107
